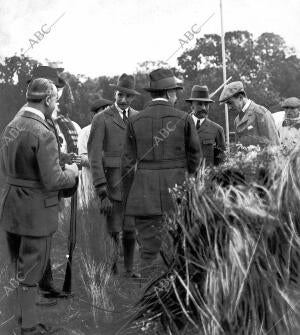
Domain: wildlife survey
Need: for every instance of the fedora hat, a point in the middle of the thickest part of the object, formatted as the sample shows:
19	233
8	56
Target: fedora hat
199	93
100	103
48	72
126	84
163	79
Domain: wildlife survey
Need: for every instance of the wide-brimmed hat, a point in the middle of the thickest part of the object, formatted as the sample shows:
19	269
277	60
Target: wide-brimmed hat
163	79
292	102
199	93
126	84
48	72
230	90
100	103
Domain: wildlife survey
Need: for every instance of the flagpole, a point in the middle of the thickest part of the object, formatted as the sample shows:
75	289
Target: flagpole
224	72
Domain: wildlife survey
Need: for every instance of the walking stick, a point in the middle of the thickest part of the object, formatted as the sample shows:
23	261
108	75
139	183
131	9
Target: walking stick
67	287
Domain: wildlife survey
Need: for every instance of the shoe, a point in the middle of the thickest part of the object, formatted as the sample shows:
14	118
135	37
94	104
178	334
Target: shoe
52	292
42	301
40	329
131	274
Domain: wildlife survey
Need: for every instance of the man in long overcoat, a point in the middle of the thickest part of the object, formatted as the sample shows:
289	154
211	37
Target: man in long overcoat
29	161
211	135
161	146
105	148
254	124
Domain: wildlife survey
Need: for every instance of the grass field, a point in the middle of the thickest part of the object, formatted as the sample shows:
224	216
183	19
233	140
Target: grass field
101	304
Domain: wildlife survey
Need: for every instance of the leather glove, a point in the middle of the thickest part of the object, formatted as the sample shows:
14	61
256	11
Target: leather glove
106	206
101	191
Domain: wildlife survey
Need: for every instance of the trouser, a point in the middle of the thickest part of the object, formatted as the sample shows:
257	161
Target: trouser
117	223
149	230
30	256
46	283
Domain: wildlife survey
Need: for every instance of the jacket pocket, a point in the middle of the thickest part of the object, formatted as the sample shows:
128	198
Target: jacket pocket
49	202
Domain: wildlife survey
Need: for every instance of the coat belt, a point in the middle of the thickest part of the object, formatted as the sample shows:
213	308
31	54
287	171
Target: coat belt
166	164
112	153
24	182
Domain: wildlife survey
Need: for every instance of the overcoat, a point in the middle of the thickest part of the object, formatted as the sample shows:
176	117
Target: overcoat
257	127
164	144
212	140
29	161
105	148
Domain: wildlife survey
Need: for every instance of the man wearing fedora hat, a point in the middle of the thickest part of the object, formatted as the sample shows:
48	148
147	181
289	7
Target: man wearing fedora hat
105	148
254	124
161	145
211	135
86	190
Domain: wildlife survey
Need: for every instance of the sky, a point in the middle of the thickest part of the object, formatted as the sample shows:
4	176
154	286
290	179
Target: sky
110	37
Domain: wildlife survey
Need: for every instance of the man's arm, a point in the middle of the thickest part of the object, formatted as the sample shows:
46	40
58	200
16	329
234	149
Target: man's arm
192	145
51	174
95	151
267	128
128	160
220	146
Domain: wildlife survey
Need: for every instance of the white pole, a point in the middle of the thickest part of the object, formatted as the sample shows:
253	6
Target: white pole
224	72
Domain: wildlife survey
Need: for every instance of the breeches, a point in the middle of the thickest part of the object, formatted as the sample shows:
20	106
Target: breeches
30	256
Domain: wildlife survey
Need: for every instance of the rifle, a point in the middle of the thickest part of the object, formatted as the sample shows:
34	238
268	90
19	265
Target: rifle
67	286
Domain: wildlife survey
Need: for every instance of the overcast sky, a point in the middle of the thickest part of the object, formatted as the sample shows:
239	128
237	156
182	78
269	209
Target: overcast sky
109	37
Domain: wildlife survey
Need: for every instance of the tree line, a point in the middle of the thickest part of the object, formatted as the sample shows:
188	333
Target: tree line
269	69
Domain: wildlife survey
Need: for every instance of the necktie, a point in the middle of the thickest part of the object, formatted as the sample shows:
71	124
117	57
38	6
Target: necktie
125	118
198	124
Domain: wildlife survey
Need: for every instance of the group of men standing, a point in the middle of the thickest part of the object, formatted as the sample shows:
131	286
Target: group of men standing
131	158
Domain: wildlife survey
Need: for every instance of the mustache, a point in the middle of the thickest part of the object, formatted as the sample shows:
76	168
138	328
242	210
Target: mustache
201	111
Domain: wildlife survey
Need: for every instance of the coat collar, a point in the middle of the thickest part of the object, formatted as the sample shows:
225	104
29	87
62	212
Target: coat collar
247	115
159	102
205	124
28	114
116	115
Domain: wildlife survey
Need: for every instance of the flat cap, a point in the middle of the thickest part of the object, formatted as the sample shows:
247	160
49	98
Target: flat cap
230	90
39	88
291	103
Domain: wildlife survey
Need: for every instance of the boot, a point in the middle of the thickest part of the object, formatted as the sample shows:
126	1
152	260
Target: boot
40	329
129	248
46	285
115	242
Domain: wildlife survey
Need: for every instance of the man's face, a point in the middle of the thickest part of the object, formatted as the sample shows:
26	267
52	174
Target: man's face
172	96
51	103
235	104
200	109
124	100
292	112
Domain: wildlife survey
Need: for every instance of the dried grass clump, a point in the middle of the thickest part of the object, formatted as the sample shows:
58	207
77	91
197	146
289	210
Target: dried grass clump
234	252
95	253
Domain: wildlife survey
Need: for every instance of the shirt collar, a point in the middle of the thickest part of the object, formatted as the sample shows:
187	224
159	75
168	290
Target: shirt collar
196	119
121	110
246	105
164	99
34	111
